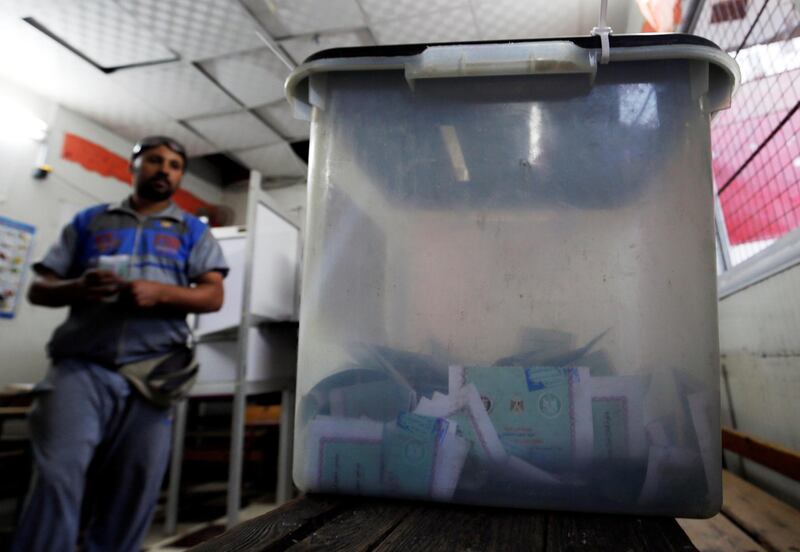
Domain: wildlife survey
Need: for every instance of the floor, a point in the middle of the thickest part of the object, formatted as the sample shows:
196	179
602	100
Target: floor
192	534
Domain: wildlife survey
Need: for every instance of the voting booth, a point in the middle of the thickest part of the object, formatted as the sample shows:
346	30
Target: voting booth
273	297
250	345
509	291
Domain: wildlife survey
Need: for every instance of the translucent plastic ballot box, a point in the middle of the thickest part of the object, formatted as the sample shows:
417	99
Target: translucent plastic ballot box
509	288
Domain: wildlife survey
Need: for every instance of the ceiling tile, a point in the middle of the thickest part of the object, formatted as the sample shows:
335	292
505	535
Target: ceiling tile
310	16
300	47
178	89
279	116
56	73
138	120
235	130
59	75
274	161
22	8
510	19
442	26
195	145
255	77
100	30
197	29
264	13
381	10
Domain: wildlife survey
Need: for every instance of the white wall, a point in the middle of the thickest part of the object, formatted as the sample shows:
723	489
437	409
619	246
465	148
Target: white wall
760	345
292	203
235	196
48	205
635	18
34	202
204	190
289	201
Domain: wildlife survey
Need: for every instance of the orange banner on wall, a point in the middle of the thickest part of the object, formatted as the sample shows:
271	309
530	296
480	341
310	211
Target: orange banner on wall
188	201
660	16
95	158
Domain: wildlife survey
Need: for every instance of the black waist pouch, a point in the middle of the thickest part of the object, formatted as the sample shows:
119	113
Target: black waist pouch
163	380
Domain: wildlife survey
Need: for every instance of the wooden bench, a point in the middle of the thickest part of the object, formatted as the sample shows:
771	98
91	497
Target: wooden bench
750	519
360	524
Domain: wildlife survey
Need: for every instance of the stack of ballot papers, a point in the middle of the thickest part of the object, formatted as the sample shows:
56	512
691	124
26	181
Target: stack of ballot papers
539	428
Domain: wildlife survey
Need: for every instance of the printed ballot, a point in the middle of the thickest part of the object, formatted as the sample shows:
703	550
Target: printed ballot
344	455
541	414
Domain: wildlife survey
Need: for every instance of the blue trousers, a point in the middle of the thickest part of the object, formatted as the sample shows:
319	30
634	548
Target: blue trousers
91	426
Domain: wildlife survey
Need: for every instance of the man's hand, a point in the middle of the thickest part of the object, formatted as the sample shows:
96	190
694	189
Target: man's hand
205	295
145	293
96	285
50	290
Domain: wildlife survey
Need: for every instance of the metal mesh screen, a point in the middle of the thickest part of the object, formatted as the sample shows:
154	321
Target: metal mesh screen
755	146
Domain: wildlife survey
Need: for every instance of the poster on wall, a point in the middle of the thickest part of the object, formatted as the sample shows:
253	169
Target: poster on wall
16	240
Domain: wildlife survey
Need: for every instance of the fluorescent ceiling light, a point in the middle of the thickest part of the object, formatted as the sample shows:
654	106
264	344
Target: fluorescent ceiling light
454	150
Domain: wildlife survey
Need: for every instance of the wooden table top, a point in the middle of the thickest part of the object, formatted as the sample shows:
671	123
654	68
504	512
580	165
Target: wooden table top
363	524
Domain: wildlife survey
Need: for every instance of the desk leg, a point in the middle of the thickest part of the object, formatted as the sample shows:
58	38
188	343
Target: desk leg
285	444
176	462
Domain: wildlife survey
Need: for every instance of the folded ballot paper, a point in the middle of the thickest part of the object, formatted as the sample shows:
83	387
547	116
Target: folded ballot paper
416	456
486	451
683	451
344	455
357	392
541	415
423	456
617	404
702	408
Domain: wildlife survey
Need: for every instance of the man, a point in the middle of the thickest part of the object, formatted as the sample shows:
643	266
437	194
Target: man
129	273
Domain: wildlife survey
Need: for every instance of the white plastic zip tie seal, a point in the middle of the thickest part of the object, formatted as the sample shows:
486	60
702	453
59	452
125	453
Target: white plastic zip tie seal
603	31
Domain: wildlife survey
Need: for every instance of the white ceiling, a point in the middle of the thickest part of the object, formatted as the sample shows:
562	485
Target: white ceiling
254	78
237	130
277	159
179	89
223	91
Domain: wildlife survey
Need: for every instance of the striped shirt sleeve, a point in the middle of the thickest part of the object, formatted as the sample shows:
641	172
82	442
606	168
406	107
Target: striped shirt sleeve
61	255
206	256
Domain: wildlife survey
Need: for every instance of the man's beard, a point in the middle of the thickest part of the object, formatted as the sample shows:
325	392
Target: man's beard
152	190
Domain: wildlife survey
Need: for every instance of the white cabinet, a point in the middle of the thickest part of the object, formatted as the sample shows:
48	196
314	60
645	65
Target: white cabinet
271	359
270	257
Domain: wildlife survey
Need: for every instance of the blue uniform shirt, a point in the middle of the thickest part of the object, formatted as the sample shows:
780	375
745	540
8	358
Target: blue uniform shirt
171	247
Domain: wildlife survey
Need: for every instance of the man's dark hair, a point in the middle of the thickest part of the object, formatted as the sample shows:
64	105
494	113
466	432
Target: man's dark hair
151	142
